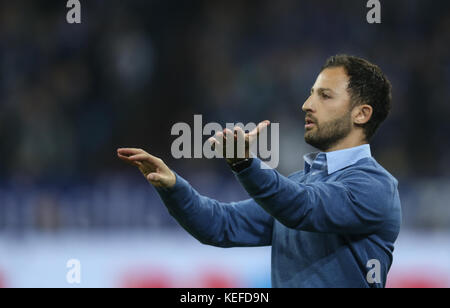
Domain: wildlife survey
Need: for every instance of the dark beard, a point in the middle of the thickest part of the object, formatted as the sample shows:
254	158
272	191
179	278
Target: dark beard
328	134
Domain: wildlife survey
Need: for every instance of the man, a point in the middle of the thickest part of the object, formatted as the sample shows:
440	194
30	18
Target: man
333	224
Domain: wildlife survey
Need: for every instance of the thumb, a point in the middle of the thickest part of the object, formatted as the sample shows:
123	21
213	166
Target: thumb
259	128
263	125
154	177
253	135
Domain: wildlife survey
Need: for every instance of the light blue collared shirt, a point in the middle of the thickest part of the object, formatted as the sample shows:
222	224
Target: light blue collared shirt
337	160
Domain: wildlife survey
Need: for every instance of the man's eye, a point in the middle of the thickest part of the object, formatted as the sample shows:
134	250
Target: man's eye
325	96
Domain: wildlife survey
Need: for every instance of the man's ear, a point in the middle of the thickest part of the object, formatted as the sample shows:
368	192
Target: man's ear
362	114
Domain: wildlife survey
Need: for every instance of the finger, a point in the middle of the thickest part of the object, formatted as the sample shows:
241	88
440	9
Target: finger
218	136
259	128
217	145
128	161
146	158
228	143
239	132
213	142
129	151
221	138
240	138
215	139
227	132
228	136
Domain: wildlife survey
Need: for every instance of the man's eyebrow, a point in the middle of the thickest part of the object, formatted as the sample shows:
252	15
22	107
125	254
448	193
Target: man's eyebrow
321	90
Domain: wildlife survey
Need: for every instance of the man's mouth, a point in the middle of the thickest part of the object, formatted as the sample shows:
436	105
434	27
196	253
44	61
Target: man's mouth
309	123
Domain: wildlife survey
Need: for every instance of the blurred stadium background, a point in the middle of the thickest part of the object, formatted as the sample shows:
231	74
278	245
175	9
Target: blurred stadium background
71	94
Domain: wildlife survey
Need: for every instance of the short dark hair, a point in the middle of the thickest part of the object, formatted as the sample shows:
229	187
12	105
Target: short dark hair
367	85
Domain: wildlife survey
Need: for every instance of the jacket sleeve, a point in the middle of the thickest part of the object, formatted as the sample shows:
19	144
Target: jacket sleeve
236	224
358	203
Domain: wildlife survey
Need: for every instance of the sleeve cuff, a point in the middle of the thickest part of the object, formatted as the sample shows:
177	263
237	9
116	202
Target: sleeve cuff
181	185
255	177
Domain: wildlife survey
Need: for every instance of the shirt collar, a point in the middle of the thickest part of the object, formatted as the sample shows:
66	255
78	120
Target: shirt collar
337	160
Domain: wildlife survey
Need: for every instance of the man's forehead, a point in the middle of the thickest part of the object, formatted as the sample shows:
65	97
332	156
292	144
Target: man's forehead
334	78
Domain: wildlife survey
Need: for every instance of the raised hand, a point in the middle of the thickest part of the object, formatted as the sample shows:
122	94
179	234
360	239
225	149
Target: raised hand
153	168
242	141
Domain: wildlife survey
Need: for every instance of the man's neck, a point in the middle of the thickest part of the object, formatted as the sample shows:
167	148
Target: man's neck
351	141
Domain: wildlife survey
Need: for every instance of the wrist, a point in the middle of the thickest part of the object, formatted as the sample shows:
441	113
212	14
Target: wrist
238	165
172	180
231	161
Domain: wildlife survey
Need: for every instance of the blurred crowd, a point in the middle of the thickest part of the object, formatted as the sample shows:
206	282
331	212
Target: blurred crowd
71	94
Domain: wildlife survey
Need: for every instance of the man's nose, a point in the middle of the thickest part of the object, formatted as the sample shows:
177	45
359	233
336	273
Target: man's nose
307	105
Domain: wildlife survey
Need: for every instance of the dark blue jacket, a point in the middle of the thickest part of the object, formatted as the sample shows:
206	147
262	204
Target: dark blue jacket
333	224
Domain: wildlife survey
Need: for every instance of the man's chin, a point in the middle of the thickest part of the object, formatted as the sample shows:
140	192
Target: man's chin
309	139
309	135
